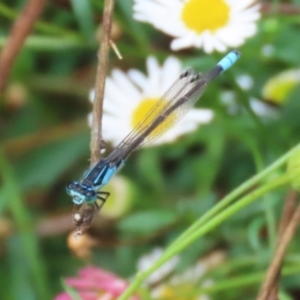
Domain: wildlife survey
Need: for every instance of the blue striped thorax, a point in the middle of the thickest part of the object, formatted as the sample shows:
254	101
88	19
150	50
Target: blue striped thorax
87	190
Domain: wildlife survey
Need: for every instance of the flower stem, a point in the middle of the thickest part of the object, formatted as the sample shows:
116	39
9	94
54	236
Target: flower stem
244	281
23	242
96	136
51	44
186	239
236	193
18	34
46	28
227	212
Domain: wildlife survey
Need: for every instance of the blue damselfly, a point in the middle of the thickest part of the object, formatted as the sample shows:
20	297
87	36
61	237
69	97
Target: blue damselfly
182	95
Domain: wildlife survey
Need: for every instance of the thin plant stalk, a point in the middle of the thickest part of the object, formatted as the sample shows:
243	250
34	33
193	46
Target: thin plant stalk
195	234
238	192
96	136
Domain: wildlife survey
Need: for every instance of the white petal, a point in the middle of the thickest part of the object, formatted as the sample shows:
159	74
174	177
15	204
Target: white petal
240	5
170	73
200	115
138	78
152	87
219	45
125	84
208	44
199	41
182	42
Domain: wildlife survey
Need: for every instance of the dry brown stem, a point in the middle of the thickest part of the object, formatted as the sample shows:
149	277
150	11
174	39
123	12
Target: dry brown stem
19	32
288	225
103	53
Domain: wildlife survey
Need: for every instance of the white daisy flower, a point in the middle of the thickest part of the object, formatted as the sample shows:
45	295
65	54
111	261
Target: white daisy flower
146	261
166	283
211	25
128	97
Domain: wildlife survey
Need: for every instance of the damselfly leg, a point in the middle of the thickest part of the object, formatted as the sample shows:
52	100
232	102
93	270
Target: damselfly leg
83	215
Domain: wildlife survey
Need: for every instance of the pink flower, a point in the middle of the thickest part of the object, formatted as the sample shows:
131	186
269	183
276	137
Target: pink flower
96	284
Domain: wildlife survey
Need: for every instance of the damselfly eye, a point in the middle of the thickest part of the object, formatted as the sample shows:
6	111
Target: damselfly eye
90	194
72	185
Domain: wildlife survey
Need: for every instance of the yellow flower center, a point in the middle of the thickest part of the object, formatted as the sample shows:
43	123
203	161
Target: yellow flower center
180	292
201	15
145	107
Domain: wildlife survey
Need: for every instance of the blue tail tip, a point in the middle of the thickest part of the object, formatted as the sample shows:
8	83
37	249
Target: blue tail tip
226	62
237	52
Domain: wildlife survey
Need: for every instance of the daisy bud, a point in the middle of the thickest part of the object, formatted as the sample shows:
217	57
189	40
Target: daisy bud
278	87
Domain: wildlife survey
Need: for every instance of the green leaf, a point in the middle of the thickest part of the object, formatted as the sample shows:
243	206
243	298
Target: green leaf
84	16
43	166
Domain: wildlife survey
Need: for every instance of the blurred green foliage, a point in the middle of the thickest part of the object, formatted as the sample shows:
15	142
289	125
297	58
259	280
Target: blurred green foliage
45	144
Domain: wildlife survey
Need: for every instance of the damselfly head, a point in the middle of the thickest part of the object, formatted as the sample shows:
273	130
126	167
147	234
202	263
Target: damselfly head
81	193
